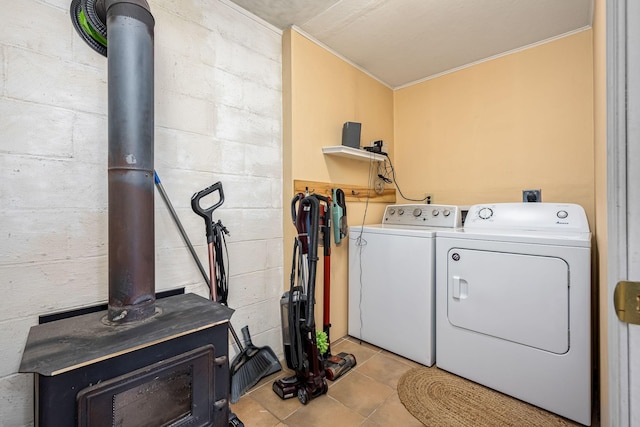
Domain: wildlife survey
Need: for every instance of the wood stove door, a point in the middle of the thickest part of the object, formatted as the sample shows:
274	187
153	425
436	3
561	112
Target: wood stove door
174	392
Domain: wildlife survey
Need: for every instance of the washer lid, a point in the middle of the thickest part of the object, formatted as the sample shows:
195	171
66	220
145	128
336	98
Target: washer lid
393	230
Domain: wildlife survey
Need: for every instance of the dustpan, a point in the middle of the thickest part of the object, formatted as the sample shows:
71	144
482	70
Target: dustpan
250	366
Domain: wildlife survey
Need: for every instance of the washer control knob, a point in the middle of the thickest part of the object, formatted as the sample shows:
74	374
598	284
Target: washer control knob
417	212
446	212
485	213
392	211
562	214
400	211
435	212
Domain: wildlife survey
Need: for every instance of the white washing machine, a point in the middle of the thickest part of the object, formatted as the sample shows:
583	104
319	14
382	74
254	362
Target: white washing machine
513	303
392	279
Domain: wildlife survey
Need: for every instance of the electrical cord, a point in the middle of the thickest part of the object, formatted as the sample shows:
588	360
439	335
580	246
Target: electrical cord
383	173
221	279
393	174
361	242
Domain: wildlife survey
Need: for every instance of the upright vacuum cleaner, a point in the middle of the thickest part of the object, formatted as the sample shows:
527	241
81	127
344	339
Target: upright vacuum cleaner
339	364
297	309
311	214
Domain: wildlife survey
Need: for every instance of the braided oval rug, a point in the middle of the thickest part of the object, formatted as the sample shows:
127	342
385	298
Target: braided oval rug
438	398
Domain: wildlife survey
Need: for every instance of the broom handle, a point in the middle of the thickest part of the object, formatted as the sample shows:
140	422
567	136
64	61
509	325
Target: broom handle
235	337
185	237
174	215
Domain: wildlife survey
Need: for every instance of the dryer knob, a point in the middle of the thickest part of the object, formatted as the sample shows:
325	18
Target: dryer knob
562	214
485	213
435	212
401	211
417	212
392	211
446	212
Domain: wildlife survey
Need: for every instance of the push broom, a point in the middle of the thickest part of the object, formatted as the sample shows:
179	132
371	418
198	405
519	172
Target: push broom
251	364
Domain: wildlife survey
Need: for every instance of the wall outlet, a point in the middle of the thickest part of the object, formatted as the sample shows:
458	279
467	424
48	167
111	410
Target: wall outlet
531	196
428	198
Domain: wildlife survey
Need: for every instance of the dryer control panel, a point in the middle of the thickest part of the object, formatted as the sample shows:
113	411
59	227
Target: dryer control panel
528	216
425	215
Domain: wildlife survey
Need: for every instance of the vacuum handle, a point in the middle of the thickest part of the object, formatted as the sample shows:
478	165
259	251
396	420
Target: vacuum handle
207	213
340	200
174	215
326	228
294	202
342	223
314	207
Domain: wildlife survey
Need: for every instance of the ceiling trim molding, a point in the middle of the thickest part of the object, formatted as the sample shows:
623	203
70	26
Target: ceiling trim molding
348	61
491	58
251	16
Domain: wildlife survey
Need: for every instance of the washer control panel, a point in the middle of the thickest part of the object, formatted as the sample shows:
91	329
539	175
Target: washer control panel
528	216
423	215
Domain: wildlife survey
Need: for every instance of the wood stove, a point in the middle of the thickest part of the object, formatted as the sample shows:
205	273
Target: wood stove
171	369
141	362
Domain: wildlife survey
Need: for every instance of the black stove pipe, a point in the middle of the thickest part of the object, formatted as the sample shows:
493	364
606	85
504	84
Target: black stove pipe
129	25
130	167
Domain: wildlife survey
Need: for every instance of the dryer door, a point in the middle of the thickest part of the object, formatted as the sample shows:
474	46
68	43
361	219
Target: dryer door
515	297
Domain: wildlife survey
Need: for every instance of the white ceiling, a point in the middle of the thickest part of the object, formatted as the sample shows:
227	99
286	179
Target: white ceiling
404	41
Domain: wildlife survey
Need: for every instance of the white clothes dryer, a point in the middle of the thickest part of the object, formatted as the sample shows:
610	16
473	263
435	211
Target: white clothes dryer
513	303
392	279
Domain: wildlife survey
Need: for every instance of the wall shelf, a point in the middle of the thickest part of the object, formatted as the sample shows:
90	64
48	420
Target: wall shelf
352	153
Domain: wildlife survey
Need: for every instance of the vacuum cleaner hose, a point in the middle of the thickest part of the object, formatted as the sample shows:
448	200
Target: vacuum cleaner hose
89	18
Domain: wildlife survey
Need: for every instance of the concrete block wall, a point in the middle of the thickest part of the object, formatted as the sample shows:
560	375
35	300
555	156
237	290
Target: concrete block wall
217	118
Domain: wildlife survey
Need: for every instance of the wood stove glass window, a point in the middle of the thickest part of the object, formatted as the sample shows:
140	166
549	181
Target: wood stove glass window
160	401
174	392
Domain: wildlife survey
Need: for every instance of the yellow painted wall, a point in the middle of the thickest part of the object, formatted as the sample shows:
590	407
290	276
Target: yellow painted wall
321	92
480	134
533	119
600	137
487	132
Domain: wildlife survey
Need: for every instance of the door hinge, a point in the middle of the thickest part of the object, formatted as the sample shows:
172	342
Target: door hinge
626	300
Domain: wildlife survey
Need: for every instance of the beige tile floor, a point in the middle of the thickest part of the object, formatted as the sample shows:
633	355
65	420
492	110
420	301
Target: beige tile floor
366	396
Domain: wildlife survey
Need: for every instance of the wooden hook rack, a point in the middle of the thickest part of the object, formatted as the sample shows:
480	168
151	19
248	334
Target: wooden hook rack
352	193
